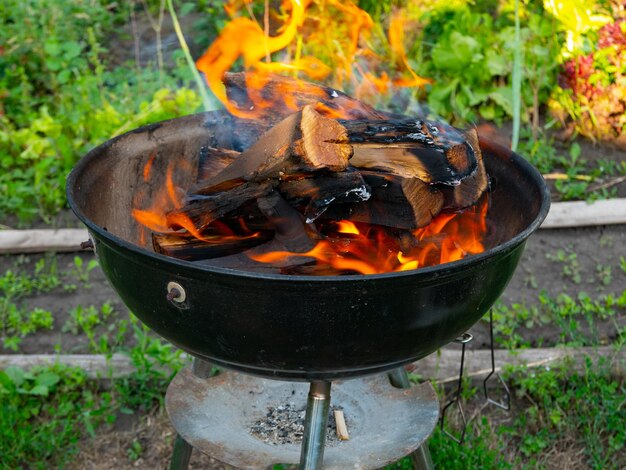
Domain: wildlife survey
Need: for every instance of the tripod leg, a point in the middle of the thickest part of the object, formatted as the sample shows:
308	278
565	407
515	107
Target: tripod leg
181	454
421	456
315	425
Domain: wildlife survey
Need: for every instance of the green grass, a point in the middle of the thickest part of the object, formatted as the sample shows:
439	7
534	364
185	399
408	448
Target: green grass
576	319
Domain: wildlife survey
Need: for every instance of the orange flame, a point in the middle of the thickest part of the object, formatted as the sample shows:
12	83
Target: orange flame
336	33
346	246
351	247
243	37
157	218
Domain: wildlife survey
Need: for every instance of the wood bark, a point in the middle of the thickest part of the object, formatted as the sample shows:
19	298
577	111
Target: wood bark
184	246
303	142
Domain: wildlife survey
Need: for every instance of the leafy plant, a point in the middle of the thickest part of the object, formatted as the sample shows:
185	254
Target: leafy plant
469	55
592	84
43	411
16	321
588	406
64	99
571	266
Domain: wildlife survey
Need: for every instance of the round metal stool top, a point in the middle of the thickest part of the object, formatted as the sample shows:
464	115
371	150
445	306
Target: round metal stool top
216	416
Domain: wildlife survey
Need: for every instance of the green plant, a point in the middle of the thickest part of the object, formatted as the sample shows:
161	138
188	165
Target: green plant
135	450
603	273
587	406
43	413
155	361
569	314
469	55
81	271
65	99
16	321
86	320
571	266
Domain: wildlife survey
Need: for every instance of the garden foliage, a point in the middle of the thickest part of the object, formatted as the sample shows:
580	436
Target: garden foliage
59	97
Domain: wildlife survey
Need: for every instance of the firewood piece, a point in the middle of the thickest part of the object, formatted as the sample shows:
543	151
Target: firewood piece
213	160
289	95
404	203
305	141
202	211
291	232
342	429
315	194
184	246
431	151
472	187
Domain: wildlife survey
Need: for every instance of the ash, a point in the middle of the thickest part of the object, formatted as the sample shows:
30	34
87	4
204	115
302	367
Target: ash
284	424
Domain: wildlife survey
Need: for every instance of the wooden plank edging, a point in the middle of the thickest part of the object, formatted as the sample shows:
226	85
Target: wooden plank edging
580	213
41	240
441	366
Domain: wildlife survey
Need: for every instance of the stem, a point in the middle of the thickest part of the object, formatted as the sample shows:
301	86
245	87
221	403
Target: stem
517	81
190	62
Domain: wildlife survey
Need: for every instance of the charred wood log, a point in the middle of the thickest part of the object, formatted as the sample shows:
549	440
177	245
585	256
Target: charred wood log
213	160
184	246
404	203
430	151
303	142
315	193
202	211
472	187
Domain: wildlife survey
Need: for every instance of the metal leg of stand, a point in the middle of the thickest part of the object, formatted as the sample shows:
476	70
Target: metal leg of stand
315	425
181	454
182	449
421	456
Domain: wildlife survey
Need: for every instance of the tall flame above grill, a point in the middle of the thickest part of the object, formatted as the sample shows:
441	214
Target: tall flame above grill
316	21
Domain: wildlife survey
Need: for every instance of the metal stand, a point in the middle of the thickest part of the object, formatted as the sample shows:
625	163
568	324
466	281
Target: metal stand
421	457
315	425
181	455
215	416
462	340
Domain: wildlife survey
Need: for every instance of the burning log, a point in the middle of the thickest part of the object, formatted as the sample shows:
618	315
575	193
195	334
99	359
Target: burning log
303	142
471	188
288	95
185	246
213	160
396	201
202	211
310	173
315	194
430	151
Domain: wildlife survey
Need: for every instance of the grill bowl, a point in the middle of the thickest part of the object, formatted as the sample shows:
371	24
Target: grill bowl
292	327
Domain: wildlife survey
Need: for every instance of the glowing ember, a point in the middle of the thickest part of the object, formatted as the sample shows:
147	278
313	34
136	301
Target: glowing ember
350	247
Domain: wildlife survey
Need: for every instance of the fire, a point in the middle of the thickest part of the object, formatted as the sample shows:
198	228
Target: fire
353	247
156	217
337	49
337	45
345	247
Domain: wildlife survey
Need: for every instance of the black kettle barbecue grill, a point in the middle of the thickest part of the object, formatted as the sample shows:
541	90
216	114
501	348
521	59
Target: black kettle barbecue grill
299	328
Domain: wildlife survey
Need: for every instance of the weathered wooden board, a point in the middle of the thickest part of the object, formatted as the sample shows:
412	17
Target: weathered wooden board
442	366
581	214
41	240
